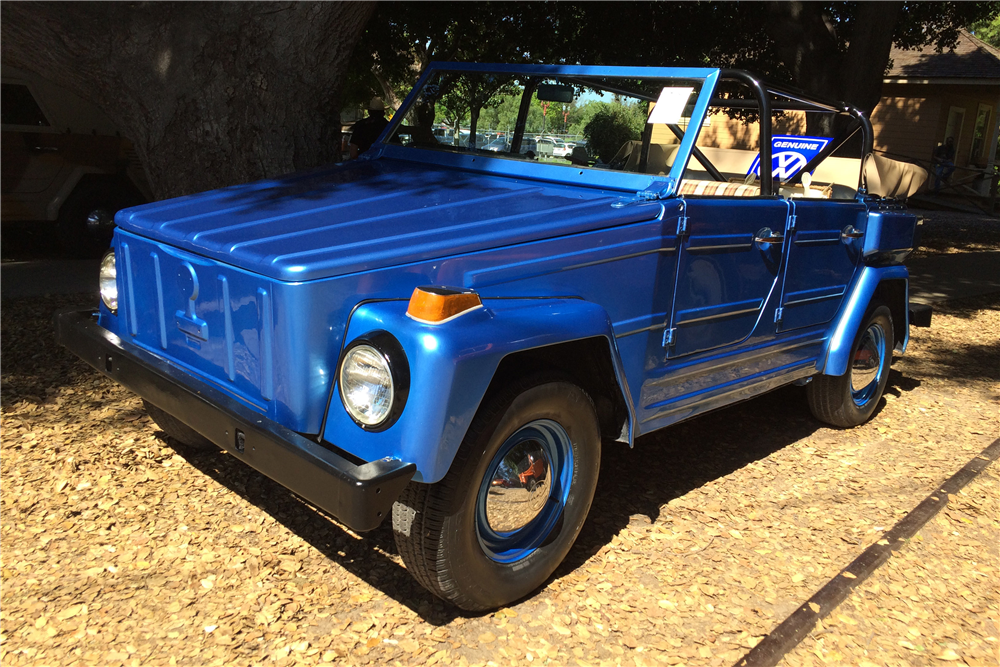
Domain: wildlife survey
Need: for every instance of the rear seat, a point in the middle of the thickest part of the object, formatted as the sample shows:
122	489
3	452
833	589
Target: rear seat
835	177
718	189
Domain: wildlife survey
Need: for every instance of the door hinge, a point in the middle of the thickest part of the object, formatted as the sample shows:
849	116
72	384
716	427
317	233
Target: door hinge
682	225
779	314
668	337
791	223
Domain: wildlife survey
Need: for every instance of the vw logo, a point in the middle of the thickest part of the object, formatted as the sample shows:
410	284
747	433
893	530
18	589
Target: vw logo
785	164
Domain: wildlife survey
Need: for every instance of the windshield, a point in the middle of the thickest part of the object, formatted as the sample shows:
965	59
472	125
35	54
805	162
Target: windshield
578	121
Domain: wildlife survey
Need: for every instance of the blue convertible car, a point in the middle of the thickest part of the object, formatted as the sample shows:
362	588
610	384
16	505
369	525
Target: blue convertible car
446	335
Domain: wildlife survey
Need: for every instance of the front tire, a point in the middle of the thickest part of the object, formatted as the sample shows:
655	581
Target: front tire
512	504
850	399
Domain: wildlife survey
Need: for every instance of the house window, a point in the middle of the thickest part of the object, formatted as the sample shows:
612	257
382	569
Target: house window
980	134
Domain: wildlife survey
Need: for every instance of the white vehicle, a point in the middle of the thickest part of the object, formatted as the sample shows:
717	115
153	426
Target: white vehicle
562	149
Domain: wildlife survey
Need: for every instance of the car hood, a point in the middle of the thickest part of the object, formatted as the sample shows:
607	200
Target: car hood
372	214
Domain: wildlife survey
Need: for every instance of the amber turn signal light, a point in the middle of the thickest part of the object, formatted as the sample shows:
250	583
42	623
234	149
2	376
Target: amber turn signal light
434	304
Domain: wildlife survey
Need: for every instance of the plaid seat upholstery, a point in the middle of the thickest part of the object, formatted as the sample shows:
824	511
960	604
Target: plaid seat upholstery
718	189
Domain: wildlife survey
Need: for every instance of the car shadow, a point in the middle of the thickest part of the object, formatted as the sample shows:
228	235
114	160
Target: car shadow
639	481
671	462
370	556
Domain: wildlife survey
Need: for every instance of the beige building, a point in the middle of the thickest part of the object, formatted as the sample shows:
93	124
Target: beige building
929	96
926	97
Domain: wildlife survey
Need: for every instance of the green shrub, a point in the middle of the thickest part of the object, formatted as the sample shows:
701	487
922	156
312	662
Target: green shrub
611	127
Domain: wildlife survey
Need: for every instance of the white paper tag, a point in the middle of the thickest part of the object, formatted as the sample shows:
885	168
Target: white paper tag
670	105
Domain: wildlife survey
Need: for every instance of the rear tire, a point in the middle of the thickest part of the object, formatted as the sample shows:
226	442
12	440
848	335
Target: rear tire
850	399
480	538
179	432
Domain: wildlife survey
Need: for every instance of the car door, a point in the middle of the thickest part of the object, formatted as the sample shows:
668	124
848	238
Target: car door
724	274
823	253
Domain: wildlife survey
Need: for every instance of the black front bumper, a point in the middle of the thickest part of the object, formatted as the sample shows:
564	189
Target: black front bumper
360	496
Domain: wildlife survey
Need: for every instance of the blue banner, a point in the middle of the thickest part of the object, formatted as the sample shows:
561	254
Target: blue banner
789	154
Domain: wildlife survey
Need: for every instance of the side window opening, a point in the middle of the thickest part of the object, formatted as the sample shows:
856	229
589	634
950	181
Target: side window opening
727	147
815	148
18	106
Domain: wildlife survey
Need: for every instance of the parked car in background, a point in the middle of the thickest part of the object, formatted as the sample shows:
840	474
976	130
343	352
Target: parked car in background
502	145
63	161
498	145
562	149
449	337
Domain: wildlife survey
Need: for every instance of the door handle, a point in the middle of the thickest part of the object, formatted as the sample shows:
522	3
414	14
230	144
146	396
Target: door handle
851	233
766	235
44	149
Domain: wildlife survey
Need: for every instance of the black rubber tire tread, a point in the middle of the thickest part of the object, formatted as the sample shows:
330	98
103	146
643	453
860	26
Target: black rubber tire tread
179	432
830	395
422	510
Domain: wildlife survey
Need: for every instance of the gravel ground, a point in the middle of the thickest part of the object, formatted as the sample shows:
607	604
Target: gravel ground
119	550
945	232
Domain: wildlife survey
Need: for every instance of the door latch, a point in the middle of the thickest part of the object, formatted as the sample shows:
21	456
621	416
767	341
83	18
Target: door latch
668	337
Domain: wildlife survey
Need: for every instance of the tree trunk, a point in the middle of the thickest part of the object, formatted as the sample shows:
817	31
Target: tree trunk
211	94
522	114
388	94
473	124
806	40
868	53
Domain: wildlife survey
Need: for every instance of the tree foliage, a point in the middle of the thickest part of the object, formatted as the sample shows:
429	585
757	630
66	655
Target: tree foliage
611	126
988	30
834	49
220	93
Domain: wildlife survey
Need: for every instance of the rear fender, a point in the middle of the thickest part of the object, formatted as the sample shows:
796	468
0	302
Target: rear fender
835	358
451	366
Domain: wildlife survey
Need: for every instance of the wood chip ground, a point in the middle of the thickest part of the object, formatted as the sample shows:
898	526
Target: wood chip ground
117	550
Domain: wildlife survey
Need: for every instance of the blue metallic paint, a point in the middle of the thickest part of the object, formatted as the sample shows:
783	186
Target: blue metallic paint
890	236
819	263
451	365
279	266
303	344
836	355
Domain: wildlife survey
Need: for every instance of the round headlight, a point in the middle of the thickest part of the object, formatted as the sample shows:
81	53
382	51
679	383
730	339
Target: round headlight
366	386
109	282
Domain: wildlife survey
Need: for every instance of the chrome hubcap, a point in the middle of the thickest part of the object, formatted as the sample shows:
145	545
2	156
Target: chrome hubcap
524	491
519	488
866	368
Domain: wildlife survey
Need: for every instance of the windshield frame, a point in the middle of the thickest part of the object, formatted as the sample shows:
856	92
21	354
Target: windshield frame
661	185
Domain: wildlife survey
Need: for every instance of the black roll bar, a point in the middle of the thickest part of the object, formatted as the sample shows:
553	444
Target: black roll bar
764	104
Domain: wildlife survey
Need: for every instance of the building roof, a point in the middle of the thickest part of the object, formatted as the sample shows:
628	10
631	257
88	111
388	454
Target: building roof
971	58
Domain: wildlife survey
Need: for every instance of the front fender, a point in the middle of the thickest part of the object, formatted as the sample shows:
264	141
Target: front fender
836	357
451	366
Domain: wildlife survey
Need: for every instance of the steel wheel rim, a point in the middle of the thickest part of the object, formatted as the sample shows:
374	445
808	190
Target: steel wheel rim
518	506
867	365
